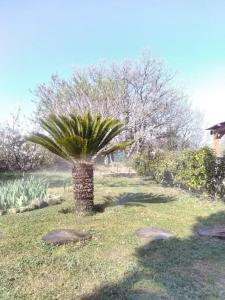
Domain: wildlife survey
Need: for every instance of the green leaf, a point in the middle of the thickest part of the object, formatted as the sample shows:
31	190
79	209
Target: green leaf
79	137
118	147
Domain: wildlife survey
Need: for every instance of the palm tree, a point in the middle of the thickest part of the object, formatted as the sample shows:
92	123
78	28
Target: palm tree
80	140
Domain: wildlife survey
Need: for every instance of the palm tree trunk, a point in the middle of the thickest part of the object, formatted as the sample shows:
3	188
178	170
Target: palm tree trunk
83	188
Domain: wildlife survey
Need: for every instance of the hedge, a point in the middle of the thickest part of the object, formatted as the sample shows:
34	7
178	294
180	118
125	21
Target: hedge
197	170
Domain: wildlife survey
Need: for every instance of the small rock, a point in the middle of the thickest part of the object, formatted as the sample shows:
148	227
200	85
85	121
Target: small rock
12	211
37	203
215	231
54	199
24	209
64	236
154	234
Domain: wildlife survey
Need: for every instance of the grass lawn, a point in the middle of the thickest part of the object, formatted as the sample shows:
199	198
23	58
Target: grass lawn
115	264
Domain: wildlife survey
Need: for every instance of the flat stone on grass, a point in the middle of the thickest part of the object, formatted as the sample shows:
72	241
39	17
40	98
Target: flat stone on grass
215	231
153	234
64	236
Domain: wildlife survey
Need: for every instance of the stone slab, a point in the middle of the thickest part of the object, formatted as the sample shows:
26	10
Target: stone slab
154	234
215	231
64	236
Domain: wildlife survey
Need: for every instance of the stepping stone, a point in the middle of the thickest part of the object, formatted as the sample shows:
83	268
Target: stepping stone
64	236
215	231
154	234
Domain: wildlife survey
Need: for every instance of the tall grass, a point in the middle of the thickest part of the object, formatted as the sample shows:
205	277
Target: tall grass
21	192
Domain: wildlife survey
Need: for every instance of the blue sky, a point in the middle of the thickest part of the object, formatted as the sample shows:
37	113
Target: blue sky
38	38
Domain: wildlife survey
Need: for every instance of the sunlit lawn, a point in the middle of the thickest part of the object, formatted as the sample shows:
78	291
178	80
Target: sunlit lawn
115	264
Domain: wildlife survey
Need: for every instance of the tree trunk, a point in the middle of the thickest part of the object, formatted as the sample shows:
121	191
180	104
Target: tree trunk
83	188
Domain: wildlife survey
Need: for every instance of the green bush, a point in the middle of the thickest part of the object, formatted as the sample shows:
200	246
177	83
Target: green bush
196	170
157	166
216	186
21	192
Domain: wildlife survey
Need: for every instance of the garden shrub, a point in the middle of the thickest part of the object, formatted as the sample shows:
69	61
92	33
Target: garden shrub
197	170
158	166
216	186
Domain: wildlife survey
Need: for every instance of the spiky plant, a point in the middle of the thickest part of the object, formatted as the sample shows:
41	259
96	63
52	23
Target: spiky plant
21	192
79	140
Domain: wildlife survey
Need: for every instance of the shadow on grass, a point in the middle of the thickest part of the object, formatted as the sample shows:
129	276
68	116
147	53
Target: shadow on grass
127	175
192	268
132	199
139	199
122	182
107	202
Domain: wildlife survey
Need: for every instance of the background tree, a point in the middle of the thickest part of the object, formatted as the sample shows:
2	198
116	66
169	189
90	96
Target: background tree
141	94
15	152
80	140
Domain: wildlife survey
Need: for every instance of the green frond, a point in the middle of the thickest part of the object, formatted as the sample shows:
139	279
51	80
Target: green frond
76	137
75	146
50	127
118	147
76	125
110	134
105	127
47	143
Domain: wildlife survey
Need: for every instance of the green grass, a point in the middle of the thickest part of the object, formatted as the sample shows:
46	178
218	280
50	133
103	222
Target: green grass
115	264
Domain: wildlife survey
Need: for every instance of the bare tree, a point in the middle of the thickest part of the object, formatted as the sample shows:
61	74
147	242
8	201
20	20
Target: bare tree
15	152
141	94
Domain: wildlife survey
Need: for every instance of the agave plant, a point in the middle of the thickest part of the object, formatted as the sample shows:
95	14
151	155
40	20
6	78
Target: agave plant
22	191
80	140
